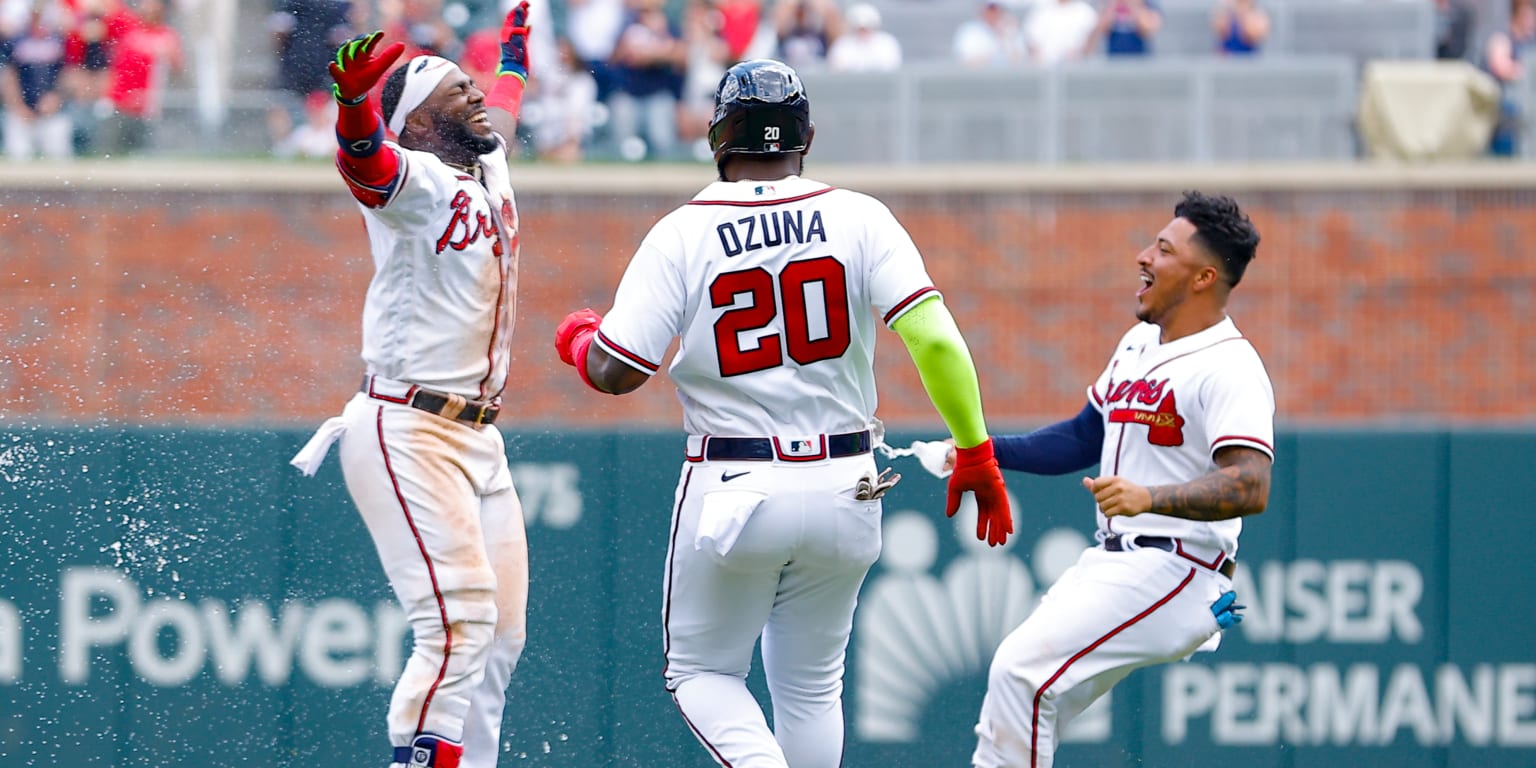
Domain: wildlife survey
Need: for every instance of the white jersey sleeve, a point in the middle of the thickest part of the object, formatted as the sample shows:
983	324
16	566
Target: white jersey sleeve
898	279
1239	403
650	303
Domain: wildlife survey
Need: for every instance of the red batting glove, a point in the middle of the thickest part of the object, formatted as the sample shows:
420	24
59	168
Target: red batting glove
359	66
574	336
514	42
976	471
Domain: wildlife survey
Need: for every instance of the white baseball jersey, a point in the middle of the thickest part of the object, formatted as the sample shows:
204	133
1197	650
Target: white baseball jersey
440	307
1167	409
769	284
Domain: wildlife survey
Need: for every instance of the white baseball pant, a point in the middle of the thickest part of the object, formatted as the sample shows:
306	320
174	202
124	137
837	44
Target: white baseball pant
438	501
780	551
1109	614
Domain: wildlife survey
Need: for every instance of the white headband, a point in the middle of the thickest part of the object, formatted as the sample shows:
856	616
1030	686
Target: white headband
422	74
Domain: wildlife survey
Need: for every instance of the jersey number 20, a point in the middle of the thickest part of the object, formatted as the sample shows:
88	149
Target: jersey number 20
813	290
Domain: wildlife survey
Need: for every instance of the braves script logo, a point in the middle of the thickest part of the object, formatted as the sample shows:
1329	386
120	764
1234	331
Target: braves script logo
463	229
1164	424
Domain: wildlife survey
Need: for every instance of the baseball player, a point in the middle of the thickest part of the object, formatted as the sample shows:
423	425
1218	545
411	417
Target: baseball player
419	452
1181	423
773	282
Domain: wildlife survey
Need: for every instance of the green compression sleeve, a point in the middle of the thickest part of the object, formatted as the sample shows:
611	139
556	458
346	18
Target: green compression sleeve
945	366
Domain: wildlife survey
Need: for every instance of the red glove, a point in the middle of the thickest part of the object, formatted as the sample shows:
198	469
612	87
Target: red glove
512	71
359	67
514	42
574	336
976	471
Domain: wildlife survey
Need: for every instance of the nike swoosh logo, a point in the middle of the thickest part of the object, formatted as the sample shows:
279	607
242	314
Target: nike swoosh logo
726	477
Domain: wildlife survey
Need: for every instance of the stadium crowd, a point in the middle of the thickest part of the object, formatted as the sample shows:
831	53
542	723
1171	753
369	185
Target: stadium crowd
625	79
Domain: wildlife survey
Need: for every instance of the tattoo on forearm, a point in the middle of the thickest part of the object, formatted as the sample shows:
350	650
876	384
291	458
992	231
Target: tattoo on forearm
1240	487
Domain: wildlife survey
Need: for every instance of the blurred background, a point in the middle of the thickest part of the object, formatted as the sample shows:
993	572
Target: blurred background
181	283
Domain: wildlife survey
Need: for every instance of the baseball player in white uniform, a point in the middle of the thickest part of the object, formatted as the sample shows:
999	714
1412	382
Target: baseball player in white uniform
1181	424
774	282
421	457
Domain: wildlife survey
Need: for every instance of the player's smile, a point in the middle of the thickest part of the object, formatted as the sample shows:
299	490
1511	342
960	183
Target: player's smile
481	120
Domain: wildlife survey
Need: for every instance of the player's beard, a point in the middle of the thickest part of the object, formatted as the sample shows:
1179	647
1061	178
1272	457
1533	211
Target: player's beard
460	134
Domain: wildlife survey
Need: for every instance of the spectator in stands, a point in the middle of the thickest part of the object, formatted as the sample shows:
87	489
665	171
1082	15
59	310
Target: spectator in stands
708	56
307	34
648	64
991	40
865	47
747	37
1059	30
1241	27
142	59
87	66
1505	57
805	30
420	23
594	27
313	138
562	107
1127	27
1454	22
35	118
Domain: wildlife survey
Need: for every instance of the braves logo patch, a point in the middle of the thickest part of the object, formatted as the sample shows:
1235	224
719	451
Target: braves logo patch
1165	426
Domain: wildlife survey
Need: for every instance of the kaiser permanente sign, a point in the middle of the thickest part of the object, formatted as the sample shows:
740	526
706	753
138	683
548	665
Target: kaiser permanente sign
191	601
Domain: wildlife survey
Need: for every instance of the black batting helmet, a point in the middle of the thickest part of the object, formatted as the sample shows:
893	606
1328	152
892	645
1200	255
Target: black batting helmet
760	109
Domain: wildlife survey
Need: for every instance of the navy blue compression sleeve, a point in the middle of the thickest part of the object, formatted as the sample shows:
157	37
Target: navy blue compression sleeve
1066	446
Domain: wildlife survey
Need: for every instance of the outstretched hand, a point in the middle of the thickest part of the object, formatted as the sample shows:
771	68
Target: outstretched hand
514	42
359	66
976	471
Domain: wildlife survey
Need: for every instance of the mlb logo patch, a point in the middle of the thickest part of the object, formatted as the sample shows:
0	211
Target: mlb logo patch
766	189
802	449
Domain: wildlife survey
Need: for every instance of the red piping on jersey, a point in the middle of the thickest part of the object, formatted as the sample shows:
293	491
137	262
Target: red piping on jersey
1244	438
501	296
698	734
908	301
666	598
1034	723
437	592
756	203
628	355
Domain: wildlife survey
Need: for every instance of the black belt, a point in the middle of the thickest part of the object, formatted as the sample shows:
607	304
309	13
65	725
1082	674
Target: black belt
1116	542
763	449
448	406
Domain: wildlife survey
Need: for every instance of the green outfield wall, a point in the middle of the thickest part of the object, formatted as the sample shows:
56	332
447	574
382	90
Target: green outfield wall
176	597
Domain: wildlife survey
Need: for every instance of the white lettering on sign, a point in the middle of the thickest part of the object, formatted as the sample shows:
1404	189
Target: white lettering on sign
1329	704
1338	601
169	641
549	493
10	642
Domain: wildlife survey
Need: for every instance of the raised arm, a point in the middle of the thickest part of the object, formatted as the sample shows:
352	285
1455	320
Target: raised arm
504	99
369	172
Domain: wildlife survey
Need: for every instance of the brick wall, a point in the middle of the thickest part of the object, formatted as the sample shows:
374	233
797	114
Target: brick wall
211	307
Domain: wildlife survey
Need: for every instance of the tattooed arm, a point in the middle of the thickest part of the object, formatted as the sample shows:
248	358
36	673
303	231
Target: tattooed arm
1239	487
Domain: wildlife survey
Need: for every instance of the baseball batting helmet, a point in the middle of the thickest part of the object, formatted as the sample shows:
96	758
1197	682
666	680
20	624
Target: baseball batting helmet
760	109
